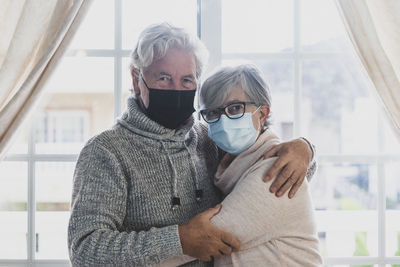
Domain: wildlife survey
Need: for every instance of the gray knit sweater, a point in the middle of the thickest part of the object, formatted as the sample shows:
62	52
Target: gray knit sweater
124	183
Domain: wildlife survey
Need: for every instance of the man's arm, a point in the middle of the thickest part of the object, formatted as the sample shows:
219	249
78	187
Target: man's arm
97	214
98	211
200	239
295	162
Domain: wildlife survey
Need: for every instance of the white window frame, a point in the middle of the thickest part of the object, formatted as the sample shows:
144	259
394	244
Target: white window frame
209	29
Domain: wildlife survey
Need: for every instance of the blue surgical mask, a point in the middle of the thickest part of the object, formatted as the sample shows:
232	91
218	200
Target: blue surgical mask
233	135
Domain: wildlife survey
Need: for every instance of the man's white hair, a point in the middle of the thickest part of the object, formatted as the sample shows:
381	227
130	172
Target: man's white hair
155	41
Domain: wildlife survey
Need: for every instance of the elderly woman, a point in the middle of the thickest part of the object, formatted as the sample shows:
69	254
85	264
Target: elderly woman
235	102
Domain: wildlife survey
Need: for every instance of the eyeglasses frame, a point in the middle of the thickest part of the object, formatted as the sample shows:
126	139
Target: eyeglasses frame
221	111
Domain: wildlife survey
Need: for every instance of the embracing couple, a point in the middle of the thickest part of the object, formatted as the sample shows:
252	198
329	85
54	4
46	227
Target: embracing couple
161	188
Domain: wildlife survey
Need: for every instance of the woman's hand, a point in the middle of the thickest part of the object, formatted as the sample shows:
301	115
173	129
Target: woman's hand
290	168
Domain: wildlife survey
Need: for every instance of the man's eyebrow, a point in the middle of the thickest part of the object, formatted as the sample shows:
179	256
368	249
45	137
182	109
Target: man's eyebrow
189	76
157	74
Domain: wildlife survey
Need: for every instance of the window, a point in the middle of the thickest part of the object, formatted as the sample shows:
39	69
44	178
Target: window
318	87
61	130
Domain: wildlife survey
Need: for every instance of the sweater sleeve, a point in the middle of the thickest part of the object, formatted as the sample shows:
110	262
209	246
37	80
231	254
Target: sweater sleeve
312	168
98	210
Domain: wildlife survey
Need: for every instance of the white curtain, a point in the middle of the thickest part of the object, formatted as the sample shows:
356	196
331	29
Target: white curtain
34	34
374	28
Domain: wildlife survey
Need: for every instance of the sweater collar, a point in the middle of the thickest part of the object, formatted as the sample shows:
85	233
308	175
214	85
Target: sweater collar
231	168
138	122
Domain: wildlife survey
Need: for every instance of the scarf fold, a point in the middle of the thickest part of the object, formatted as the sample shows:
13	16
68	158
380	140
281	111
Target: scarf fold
232	168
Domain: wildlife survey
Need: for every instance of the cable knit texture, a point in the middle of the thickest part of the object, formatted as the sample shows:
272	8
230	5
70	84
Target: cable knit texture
273	231
124	182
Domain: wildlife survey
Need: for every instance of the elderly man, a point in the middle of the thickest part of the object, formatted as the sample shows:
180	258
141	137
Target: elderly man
143	190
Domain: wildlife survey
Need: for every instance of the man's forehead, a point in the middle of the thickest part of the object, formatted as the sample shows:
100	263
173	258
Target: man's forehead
175	62
166	73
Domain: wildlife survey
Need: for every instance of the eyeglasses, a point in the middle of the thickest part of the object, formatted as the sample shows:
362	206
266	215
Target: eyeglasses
234	110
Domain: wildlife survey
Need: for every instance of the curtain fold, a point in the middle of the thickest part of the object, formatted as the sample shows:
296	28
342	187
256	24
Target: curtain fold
374	28
33	37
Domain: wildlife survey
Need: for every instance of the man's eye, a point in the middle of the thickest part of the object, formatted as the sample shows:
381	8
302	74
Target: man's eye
188	81
164	78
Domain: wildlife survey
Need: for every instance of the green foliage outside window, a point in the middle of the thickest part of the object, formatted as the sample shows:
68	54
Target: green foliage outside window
397	253
361	246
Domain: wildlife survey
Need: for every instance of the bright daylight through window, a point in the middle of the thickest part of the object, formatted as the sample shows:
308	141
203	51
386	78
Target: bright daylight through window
319	91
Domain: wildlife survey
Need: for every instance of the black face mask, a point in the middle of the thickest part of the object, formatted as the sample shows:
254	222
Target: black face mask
170	108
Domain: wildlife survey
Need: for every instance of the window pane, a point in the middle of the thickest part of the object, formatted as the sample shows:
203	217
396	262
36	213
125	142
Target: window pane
78	105
13	210
347	233
97	29
83	75
393	233
254	26
346	194
337	106
322	29
126	81
138	14
390	140
392	174
279	76
53	194
20	145
345	186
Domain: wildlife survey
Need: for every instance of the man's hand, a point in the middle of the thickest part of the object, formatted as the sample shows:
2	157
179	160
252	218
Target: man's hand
200	239
293	160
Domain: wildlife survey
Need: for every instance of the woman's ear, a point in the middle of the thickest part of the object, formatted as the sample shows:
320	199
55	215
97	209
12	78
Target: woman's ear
264	111
135	81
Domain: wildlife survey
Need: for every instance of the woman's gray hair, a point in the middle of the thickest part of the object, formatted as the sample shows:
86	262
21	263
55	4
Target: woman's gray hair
155	41
216	87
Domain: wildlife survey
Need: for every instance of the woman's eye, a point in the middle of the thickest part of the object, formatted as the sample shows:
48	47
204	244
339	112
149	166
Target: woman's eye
212	113
233	109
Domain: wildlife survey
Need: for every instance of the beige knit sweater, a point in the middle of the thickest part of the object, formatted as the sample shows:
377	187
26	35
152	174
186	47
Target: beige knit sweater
273	231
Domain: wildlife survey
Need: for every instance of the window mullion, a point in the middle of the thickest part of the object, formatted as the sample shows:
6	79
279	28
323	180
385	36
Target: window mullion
211	27
381	212
297	70
381	195
117	58
31	201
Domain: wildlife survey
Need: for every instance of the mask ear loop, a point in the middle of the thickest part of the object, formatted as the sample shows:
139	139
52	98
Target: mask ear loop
254	112
259	124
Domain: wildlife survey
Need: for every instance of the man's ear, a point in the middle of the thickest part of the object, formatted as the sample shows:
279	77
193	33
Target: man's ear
135	81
